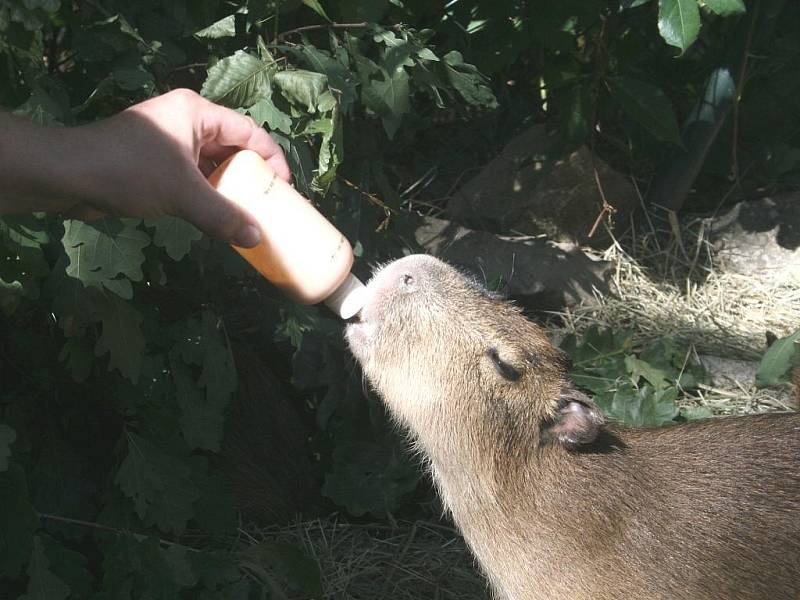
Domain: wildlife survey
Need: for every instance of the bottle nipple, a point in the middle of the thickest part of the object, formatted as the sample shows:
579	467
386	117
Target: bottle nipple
348	298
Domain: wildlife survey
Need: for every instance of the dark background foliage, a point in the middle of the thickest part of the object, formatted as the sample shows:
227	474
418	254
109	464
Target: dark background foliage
156	394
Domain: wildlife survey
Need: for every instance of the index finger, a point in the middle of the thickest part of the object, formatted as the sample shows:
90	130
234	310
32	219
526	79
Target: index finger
227	127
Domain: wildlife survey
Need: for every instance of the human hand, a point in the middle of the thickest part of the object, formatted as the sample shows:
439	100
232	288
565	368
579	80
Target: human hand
152	160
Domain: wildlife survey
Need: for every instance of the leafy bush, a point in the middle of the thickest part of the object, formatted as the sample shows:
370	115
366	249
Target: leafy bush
116	339
634	388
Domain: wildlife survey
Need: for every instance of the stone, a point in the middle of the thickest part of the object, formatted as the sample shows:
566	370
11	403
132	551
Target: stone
760	238
538	273
528	190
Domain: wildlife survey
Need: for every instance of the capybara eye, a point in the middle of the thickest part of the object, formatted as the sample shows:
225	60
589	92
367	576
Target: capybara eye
508	371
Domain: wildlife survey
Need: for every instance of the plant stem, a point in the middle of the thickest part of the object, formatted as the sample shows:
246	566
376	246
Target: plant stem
102	527
305	28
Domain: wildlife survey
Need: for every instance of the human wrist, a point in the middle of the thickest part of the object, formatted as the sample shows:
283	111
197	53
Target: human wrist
38	166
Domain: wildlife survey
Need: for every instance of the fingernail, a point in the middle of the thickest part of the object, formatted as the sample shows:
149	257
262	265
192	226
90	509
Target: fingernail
248	237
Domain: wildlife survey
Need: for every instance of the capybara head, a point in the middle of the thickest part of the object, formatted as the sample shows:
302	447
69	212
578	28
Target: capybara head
442	350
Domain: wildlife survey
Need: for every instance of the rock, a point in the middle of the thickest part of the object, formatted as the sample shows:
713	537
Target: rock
730	373
734	374
761	238
528	191
539	274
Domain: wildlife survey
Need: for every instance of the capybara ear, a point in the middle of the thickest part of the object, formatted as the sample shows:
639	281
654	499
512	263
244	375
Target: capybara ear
577	419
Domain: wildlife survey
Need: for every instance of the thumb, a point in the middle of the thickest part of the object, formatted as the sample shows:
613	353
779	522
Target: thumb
217	216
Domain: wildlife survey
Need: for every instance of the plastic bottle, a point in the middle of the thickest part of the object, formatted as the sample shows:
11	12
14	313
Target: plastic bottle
300	251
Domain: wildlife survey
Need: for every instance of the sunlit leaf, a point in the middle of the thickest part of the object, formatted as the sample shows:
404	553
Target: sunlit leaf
777	362
238	80
726	8
679	22
225	27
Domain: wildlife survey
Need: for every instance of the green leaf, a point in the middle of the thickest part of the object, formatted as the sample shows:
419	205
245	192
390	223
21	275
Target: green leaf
175	235
61	485
43	584
639	408
203	413
10	296
238	80
141	475
679	22
201	420
390	98
7	437
302	88
693	413
22	260
121	337
177	558
74	305
316	7
133	79
341	80
399	56
68	565
369	477
659	407
467	81
647	105
124	27
143	569
219	372
639	368
265	111
100	252
427	54
330	153
289	561
777	362
42	108
17	521
158	483
225	27
726	8
78	358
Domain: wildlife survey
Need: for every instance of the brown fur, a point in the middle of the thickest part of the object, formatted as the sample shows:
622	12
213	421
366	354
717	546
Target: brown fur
554	504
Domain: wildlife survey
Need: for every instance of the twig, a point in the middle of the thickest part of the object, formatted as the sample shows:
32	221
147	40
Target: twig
737	96
607	208
387	211
305	28
102	527
189	66
600	68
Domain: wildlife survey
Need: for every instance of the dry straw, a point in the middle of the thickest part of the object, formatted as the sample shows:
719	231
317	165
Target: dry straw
666	283
407	561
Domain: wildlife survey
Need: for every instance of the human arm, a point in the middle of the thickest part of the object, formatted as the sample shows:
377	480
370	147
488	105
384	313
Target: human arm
148	161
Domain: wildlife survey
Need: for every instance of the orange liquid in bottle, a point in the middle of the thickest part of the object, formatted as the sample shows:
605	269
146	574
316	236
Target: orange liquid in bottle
300	251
